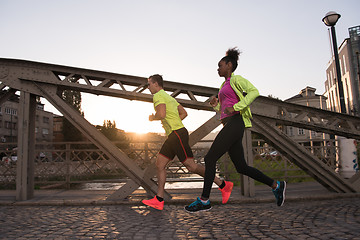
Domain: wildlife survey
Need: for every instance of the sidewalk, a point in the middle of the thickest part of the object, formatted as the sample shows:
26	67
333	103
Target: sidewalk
294	192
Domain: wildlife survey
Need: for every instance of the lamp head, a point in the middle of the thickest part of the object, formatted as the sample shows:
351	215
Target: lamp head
331	18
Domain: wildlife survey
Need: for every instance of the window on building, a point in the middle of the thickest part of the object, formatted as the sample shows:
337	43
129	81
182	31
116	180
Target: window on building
11	111
291	131
301	131
334	77
57	127
36	130
332	102
313	133
10	125
345	70
341	68
45	131
331	78
40	107
326	85
45	120
347	90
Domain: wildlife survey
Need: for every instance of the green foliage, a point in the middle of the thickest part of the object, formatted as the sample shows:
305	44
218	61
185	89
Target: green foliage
73	98
115	135
271	96
276	169
109	130
272	166
70	132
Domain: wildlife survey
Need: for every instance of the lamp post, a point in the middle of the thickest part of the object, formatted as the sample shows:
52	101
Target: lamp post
330	20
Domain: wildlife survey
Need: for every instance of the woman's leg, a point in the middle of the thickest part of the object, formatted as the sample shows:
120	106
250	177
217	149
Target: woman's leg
228	135
199	169
236	153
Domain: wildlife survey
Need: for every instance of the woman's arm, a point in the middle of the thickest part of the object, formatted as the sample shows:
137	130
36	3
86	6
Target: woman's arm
251	94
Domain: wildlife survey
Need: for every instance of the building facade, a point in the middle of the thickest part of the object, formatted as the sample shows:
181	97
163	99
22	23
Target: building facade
58	129
9	122
350	75
306	97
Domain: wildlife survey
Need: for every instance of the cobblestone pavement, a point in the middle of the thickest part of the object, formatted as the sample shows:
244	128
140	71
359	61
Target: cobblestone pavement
326	219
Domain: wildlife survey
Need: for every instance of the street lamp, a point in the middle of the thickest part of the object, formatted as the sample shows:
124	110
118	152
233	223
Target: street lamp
330	20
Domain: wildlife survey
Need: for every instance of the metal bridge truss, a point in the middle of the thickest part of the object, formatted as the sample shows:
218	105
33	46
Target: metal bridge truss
49	81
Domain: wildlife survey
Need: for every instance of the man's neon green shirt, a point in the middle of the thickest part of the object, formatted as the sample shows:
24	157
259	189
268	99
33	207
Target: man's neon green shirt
172	119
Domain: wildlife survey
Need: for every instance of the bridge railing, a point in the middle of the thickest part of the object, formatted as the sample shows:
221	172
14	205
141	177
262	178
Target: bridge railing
66	163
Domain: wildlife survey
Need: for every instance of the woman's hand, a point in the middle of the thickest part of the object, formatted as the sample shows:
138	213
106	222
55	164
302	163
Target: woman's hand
213	101
229	110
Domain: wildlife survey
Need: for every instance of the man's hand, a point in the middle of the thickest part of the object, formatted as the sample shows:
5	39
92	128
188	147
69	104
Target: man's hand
160	113
151	117
213	101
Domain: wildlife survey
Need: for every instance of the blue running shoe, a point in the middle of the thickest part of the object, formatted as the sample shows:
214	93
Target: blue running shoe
198	206
279	193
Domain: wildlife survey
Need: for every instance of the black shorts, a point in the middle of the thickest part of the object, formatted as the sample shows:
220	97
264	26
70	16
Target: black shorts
177	144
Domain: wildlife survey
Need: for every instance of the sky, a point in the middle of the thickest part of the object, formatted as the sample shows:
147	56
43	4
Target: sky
285	45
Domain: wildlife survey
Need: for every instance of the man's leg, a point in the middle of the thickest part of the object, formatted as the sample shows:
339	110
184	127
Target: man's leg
161	163
158	201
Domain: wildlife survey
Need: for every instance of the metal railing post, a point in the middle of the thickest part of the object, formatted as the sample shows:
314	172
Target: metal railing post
67	163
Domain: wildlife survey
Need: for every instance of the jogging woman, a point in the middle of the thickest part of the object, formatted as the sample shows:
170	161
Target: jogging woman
233	106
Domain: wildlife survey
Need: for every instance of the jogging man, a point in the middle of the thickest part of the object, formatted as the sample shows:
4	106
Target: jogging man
171	114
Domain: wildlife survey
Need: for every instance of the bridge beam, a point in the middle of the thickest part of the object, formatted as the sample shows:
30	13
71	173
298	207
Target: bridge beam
302	157
26	147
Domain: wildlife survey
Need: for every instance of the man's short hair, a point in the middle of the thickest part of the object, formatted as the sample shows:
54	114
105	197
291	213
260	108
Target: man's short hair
157	78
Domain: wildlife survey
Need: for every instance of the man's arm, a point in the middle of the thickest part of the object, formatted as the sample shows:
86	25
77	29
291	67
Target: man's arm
160	113
182	112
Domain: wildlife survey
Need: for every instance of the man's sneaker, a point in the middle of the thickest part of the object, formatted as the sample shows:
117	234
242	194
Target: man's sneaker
226	191
198	205
279	193
155	203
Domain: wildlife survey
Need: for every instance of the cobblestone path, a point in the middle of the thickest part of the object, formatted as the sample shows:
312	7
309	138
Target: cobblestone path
327	219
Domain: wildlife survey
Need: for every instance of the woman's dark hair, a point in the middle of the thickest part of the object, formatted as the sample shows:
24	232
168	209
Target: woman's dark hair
157	78
232	55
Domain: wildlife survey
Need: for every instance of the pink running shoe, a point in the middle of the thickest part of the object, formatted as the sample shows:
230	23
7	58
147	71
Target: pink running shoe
226	191
155	203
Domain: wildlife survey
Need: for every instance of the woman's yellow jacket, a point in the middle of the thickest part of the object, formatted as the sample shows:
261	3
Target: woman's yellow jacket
241	85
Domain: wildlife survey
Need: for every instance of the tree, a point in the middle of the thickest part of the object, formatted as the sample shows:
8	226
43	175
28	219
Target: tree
113	134
271	96
73	98
109	130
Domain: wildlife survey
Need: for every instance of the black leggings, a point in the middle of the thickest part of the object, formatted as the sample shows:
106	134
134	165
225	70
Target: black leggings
229	140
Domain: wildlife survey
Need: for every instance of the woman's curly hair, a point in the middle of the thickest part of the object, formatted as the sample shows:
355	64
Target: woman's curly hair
232	55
